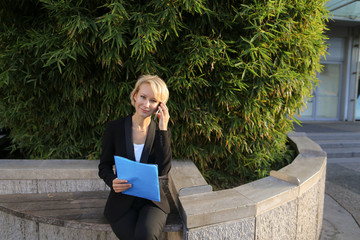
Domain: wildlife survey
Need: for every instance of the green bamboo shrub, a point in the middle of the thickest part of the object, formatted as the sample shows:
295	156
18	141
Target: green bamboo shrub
237	71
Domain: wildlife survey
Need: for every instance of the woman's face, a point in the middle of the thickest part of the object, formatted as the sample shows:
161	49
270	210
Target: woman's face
145	102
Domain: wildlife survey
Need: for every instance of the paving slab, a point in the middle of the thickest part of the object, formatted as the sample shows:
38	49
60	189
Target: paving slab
328	127
347	199
342	152
338	224
352	160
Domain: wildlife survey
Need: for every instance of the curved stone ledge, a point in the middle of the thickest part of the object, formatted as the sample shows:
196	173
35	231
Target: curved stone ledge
286	205
60	180
25	213
48	176
21	169
22	228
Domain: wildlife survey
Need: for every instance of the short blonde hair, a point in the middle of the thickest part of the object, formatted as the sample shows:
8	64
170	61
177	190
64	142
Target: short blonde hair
158	86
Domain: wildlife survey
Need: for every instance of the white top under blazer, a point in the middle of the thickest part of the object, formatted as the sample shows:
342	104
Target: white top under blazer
138	149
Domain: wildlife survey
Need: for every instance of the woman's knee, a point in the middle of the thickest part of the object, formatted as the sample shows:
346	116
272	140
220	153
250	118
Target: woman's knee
150	227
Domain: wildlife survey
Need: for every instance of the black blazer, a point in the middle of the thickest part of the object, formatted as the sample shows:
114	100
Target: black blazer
118	141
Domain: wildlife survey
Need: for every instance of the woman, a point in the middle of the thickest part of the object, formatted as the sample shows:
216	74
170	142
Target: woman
138	137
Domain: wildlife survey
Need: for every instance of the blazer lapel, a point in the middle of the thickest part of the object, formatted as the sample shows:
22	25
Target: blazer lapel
128	138
148	142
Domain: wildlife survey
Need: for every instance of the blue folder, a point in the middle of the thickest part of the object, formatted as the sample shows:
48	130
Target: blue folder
142	176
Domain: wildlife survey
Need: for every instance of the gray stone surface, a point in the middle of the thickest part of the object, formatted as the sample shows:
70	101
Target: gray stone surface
51	185
346	198
282	210
278	223
185	175
52	176
345	160
18	186
268	193
338	223
75	216
40	176
341	206
243	229
48	169
215	207
195	190
76	185
343	153
285	177
51	232
226	214
304	144
345	175
15	228
328	127
307	224
321	192
307	168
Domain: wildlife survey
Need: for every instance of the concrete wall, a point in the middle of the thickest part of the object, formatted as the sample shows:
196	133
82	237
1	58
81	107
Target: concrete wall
14	228
51	176
46	176
286	205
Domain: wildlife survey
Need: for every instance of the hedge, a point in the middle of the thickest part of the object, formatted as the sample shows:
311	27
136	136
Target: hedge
238	73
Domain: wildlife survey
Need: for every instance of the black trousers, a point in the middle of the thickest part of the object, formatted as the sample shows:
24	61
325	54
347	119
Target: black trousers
143	221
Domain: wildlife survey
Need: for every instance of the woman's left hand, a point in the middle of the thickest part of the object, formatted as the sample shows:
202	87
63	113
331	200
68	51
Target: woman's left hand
163	116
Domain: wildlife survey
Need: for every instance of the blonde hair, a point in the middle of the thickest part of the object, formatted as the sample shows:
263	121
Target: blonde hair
157	85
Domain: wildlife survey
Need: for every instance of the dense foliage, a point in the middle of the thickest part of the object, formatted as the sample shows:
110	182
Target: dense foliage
237	71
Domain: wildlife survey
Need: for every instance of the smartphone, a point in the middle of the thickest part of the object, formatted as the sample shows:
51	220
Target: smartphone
157	112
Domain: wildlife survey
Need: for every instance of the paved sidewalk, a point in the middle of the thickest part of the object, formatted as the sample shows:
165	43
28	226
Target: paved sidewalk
328	127
342	189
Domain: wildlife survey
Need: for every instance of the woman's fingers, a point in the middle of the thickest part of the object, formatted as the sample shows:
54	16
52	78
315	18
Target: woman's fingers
120	185
163	117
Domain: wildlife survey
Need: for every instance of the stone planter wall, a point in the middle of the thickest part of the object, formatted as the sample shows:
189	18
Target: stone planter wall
286	205
55	176
47	176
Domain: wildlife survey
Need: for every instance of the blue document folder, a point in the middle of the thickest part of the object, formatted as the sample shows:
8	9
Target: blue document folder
142	176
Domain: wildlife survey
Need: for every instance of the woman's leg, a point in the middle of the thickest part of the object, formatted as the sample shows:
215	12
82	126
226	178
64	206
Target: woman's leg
150	224
124	228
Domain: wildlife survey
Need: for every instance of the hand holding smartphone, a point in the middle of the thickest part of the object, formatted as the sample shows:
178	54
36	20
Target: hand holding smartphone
157	112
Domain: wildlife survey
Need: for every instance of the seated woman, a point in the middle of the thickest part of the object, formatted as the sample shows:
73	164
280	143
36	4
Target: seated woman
138	137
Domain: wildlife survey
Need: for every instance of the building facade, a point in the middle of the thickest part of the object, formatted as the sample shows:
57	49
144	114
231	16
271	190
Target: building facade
337	96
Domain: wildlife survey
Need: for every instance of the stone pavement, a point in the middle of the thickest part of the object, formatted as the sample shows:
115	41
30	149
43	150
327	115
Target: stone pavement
341	141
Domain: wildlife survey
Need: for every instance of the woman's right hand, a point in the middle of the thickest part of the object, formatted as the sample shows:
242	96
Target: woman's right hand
120	185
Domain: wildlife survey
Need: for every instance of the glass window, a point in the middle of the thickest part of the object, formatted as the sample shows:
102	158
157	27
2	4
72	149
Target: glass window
357	112
328	92
308	110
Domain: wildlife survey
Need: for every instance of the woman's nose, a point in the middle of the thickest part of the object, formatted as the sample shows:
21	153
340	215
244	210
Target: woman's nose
147	103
